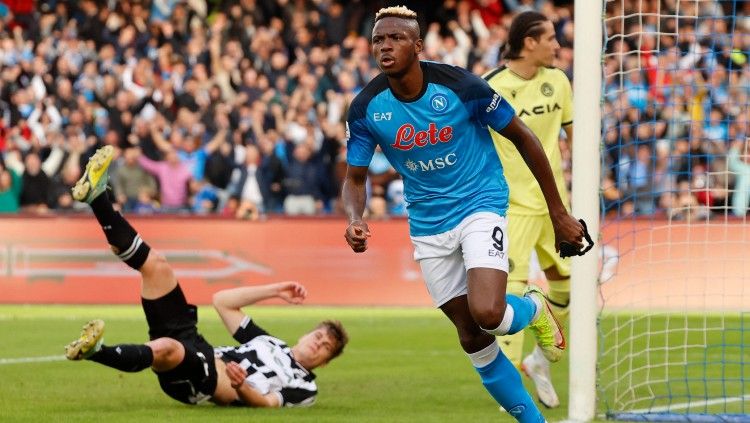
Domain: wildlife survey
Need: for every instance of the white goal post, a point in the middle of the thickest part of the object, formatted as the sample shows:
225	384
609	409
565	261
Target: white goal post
587	77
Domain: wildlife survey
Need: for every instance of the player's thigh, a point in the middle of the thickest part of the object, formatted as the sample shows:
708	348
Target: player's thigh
484	243
524	233
545	250
157	276
442	266
194	379
170	316
444	277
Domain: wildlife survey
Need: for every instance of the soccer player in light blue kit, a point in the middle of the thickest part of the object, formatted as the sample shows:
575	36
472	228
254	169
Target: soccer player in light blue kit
431	120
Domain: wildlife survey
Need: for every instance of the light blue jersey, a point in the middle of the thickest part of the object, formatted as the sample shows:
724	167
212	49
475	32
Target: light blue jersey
439	143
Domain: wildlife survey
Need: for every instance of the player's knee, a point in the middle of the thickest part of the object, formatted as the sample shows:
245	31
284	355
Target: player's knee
490	315
167	353
162	347
156	266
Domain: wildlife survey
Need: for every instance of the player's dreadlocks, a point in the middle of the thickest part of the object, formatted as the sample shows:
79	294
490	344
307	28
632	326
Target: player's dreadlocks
402	12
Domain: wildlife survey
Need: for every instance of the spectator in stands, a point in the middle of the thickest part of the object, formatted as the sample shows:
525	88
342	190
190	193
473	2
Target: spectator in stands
62	182
739	164
611	195
173	176
10	190
271	175
395	197
145	203
302	183
36	177
380	174
204	197
130	182
188	146
245	183
36	192
716	128
111	71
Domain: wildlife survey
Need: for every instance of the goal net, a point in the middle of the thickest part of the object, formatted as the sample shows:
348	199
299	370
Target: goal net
674	328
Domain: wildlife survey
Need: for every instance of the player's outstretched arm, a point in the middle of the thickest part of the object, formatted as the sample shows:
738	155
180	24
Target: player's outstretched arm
567	228
229	302
354	196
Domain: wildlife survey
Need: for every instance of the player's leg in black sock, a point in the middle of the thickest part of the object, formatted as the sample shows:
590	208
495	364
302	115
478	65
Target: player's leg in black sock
125	241
124	357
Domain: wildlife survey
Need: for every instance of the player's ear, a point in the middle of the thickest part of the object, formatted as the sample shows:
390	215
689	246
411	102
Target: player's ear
530	43
419	46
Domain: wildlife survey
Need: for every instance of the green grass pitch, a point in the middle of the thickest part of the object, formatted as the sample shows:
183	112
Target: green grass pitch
402	365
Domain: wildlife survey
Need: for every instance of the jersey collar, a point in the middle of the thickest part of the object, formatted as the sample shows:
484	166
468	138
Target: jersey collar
421	92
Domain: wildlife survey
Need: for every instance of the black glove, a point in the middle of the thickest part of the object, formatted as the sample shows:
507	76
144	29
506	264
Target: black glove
569	250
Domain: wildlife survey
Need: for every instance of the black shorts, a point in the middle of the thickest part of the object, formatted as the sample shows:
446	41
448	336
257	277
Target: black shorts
194	379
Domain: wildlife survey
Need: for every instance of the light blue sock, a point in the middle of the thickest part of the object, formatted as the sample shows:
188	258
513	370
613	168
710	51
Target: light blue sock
524	309
519	312
502	381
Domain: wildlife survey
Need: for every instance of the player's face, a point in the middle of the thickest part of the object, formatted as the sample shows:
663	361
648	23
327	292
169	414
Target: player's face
546	48
315	348
395	46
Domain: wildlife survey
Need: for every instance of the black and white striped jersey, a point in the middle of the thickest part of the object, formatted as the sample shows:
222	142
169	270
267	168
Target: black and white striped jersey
270	366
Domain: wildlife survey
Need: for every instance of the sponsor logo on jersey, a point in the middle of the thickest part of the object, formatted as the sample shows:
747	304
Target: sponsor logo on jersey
539	110
407	137
439	102
547	89
377	116
432	164
495	102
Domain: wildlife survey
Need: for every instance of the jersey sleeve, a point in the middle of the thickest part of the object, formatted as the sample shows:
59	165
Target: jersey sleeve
567	100
360	144
495	113
247	331
297	397
482	102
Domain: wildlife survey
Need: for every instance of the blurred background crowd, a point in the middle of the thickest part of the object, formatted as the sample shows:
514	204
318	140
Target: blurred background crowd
676	108
237	108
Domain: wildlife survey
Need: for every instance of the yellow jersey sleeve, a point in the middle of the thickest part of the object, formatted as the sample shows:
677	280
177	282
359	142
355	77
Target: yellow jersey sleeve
544	103
567	117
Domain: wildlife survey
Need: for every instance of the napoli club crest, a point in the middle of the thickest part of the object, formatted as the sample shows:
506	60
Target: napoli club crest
439	103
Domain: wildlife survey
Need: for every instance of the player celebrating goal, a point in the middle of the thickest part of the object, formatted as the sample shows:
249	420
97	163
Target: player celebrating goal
542	98
262	372
430	121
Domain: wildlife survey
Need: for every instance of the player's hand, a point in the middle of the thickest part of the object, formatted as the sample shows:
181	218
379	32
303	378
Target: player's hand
570	248
291	292
568	230
356	236
236	374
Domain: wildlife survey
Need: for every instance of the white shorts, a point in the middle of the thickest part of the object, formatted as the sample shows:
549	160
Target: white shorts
478	241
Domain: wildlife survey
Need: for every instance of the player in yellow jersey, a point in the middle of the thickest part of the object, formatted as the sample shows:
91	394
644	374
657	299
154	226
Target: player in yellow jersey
542	97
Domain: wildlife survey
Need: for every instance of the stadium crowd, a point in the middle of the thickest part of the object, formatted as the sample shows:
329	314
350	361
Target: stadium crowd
676	108
237	108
